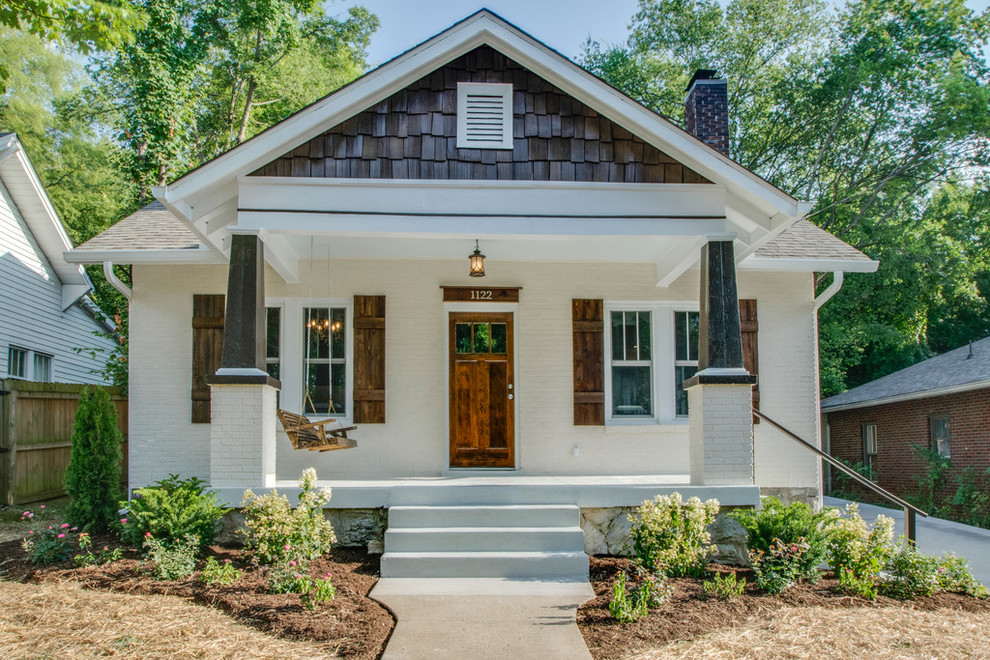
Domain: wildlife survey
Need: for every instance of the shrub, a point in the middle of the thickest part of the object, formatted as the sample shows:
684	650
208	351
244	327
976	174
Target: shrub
954	574
292	577
92	478
857	552
174	560
780	566
626	608
724	586
215	573
47	546
172	509
671	537
910	574
277	532
87	557
790	525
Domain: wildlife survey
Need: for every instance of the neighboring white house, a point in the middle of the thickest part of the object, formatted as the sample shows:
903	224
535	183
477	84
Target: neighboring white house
44	310
585	368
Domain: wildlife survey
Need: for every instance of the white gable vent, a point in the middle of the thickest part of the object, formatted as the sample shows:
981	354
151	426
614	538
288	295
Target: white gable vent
484	116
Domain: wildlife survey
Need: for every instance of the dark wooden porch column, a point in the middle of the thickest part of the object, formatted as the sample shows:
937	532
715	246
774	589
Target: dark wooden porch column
720	337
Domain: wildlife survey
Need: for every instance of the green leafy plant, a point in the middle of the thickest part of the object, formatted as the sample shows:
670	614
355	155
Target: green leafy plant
857	552
92	478
971	501
50	545
292	577
780	566
87	557
172	509
932	483
724	586
954	574
910	574
174	560
671	536
220	573
793	524
277	532
625	607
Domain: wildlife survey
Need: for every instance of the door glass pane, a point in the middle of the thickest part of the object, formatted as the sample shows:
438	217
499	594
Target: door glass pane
462	337
681	374
618	351
499	338
337	333
632	341
318	386
482	336
631	391
644	335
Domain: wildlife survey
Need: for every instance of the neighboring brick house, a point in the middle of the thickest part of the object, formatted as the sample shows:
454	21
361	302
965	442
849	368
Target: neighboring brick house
942	404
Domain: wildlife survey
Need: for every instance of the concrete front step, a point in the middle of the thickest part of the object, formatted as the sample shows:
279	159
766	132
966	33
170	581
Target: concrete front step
544	565
533	515
484	539
489	494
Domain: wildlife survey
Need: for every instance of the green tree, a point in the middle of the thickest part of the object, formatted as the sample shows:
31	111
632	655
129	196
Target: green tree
92	479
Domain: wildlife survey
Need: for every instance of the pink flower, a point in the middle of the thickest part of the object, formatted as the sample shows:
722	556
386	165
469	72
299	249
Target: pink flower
42	506
292	563
327	576
30	531
123	521
298	575
147	533
61	536
74	529
286	546
64	525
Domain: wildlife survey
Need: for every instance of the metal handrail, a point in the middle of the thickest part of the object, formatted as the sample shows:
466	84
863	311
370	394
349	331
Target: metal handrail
910	522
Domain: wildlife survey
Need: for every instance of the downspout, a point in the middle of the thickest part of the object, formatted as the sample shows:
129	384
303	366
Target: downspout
115	281
832	289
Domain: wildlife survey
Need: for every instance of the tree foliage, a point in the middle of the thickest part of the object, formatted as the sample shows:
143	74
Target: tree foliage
92	478
877	112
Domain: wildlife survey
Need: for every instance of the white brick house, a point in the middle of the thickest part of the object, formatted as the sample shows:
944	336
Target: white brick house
341	236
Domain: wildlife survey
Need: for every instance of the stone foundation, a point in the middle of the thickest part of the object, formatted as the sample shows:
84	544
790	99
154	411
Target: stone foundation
606	532
353	527
788	496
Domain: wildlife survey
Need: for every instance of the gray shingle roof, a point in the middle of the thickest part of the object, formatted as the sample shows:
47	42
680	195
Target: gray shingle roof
803	240
152	228
952	369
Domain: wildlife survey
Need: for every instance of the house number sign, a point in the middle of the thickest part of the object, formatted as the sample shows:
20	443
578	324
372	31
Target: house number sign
480	294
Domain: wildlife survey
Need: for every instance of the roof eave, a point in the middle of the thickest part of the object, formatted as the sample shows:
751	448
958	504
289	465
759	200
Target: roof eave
908	396
810	265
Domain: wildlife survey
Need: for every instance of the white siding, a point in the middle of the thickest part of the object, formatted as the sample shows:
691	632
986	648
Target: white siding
413	441
31	314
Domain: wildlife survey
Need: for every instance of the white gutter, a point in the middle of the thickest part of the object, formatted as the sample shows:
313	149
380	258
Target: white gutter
833	288
115	281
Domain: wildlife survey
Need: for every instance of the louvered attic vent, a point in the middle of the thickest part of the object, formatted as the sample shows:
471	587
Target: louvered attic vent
484	116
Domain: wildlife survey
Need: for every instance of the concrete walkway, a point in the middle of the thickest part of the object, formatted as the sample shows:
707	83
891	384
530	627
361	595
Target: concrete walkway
937	536
483	618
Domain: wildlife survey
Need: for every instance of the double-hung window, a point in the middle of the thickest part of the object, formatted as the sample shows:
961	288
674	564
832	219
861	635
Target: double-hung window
870	448
29	365
325	360
17	362
632	364
941	438
686	326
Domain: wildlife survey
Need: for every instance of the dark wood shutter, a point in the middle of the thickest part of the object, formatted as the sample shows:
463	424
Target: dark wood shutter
588	328
369	359
751	353
207	325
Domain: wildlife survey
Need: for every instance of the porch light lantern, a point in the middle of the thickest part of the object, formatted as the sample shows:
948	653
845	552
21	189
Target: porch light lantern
477	261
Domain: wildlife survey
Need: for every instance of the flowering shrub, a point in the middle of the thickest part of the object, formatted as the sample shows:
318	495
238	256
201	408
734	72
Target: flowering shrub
724	586
954	575
857	552
789	524
292	577
215	573
174	560
47	546
780	566
172	509
277	532
87	557
671	537
910	574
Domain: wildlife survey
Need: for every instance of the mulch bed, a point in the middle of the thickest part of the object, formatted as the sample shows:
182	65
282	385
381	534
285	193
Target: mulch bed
352	625
688	614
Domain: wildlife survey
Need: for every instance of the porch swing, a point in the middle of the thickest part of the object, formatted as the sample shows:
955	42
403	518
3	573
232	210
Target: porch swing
320	435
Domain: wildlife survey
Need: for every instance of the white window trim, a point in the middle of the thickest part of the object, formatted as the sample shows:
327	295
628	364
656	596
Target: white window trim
292	352
663	363
29	355
491	89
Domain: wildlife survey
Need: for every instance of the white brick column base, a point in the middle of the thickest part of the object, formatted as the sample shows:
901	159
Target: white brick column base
242	436
720	432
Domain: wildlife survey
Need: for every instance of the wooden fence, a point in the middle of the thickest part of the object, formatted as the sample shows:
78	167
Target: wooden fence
36	421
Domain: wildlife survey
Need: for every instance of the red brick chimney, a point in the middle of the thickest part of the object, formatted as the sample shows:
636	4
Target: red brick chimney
706	109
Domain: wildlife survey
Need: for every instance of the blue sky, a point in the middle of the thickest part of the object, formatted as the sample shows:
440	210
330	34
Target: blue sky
562	24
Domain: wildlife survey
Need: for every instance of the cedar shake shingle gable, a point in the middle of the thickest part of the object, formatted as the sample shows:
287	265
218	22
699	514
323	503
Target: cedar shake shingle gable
412	135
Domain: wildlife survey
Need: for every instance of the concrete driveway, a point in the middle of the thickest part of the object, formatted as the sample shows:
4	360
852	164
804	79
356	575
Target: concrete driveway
937	536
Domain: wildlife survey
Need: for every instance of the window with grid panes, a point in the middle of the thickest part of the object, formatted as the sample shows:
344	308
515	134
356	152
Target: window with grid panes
324	360
632	364
686	325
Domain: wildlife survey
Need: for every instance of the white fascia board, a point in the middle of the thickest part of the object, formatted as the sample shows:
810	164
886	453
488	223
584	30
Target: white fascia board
810	265
73	292
483	28
468	226
910	396
181	256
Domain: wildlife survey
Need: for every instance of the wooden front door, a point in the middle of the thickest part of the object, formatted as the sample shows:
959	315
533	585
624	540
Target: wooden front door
482	395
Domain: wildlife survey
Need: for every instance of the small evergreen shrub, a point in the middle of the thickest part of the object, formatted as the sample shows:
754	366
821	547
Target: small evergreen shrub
794	524
724	586
780	566
172	509
92	478
277	532
216	573
671	536
857	552
174	560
